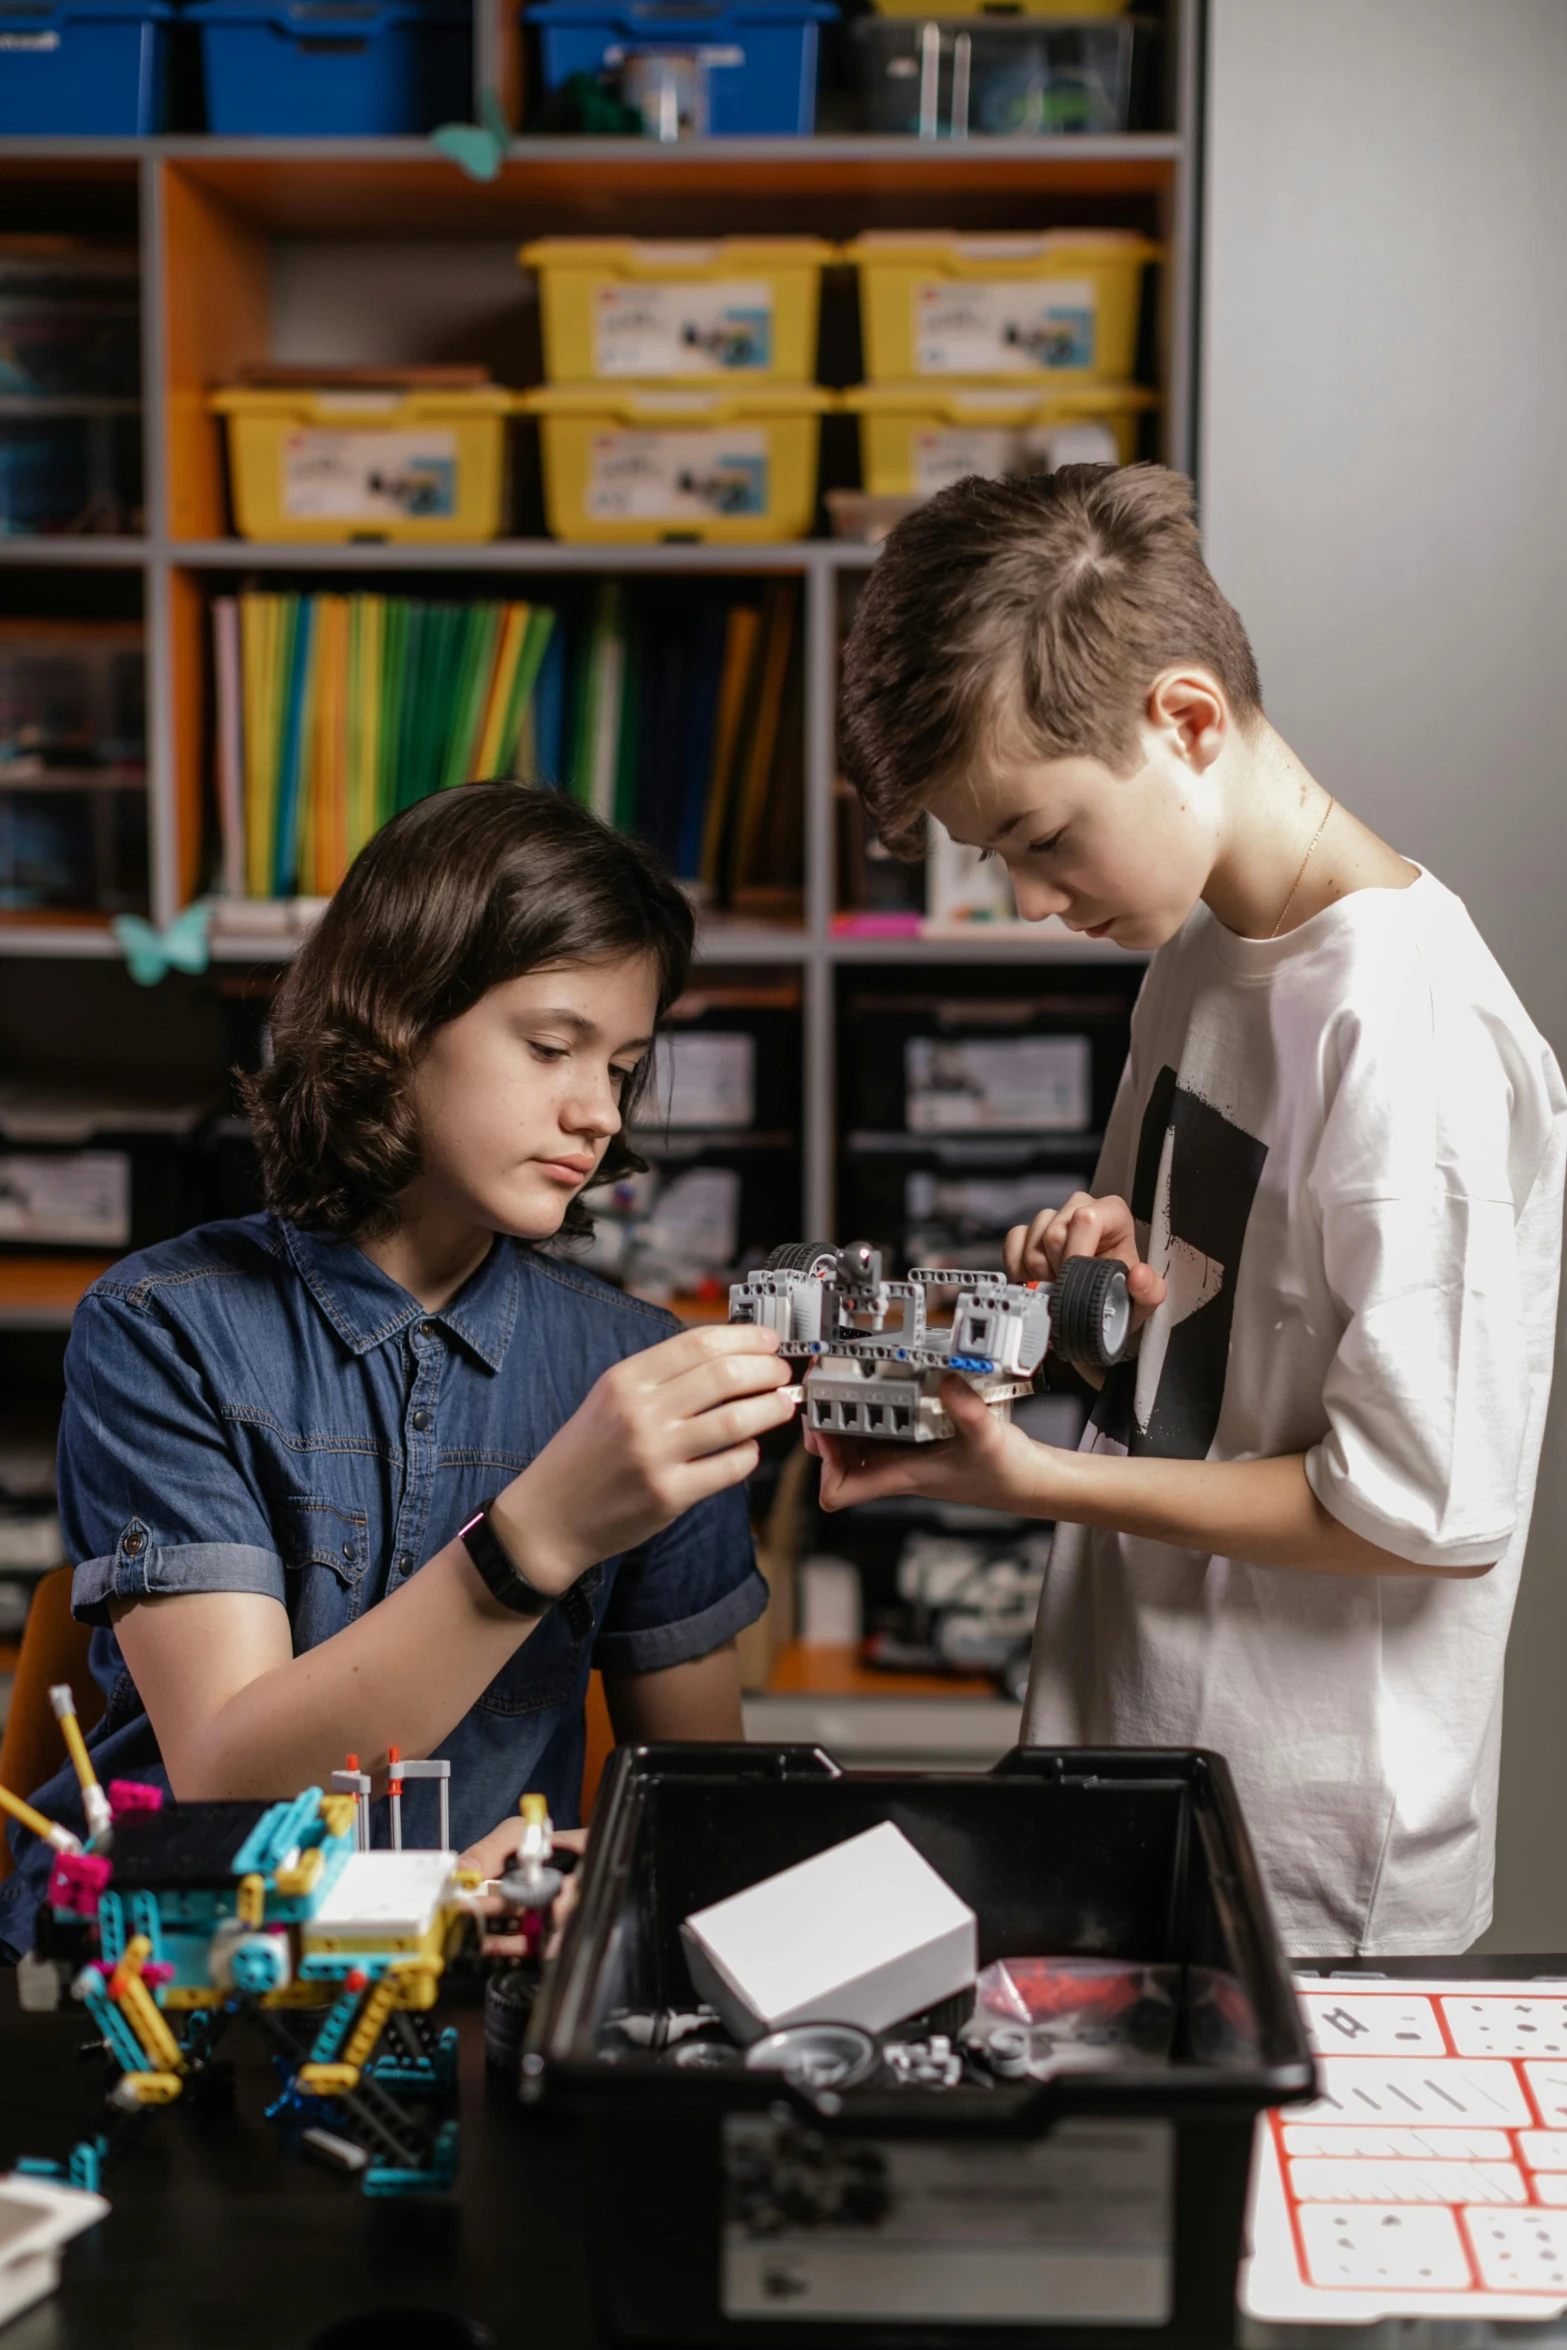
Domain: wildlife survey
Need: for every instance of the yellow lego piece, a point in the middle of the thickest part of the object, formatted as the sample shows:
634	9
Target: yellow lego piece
251	1904
338	1813
372	2022
140	2011
468	1880
304	1875
148	2088
535	1810
327	2080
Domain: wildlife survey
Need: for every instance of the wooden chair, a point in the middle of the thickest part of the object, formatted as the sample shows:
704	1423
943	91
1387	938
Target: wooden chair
54	1648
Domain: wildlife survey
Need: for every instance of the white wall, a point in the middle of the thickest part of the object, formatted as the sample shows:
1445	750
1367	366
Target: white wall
1384	489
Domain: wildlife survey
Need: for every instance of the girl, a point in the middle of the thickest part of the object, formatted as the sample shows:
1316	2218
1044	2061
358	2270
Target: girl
372	1468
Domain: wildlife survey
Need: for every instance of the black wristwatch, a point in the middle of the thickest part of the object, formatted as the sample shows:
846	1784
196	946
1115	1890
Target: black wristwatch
490	1555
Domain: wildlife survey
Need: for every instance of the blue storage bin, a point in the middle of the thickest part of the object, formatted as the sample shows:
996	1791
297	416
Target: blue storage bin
334	68
756	58
82	68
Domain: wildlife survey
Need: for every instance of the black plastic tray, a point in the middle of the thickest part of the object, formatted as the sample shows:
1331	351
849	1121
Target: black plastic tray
1132	1854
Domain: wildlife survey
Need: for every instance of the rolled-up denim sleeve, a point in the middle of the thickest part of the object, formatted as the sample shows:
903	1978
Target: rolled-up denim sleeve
684	1593
152	1498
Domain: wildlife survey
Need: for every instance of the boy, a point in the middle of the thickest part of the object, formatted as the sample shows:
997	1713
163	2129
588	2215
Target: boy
1335	1164
373	1468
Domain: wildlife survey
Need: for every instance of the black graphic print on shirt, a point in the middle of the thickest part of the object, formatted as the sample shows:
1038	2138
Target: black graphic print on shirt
1192	1192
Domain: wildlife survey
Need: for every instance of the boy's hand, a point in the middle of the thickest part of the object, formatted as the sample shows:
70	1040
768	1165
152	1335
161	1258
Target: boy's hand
654	1435
1084	1227
988	1463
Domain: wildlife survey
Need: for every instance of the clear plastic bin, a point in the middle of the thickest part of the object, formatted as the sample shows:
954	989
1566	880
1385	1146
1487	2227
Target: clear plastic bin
741	309
999	77
1063	305
916	438
323	465
633	466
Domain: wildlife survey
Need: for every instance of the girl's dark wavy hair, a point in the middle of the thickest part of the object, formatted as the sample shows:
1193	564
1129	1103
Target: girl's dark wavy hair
457	894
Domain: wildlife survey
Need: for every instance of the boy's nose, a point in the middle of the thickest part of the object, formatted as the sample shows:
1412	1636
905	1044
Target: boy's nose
1036	899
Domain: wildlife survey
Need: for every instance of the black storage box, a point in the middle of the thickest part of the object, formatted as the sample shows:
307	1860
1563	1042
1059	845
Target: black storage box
732	2207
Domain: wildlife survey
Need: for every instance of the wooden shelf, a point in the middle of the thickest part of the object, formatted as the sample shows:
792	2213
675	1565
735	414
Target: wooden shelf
42	1293
799	1671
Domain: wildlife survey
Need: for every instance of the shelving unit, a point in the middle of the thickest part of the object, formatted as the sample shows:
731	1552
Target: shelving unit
213	216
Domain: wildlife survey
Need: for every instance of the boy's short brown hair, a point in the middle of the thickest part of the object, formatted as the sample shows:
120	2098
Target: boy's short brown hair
1029	616
456	895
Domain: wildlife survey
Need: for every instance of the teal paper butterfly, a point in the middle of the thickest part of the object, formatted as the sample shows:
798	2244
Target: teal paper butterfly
151	954
478	148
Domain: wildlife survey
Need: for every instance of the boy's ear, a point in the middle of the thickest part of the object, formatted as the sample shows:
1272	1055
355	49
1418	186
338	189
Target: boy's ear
1187	707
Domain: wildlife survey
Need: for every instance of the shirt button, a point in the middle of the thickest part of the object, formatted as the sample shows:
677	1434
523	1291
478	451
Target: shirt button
348	1550
427	1329
134	1543
421	1418
405	1563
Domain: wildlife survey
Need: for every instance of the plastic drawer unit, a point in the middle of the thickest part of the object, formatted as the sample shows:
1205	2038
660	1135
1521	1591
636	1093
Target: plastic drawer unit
740	309
745	69
1064	305
1071	2203
633	465
916	438
334	68
410	466
1007	77
86	69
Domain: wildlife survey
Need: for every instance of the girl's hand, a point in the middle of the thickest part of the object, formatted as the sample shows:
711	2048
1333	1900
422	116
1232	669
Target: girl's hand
1084	1227
489	1858
989	1464
656	1434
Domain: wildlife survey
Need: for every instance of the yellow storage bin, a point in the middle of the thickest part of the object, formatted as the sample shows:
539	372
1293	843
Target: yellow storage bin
627	466
360	463
915	438
620	310
1062	305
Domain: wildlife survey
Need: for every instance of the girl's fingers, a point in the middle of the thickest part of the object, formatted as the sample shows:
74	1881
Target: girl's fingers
730	1424
711	1343
718	1379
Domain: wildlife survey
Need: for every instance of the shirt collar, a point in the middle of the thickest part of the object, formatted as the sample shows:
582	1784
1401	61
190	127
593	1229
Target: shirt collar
366	1307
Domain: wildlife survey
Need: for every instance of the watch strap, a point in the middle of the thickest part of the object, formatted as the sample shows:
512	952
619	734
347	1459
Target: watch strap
493	1561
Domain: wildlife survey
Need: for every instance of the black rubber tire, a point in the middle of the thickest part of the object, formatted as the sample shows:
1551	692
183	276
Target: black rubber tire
801	1256
1080	1303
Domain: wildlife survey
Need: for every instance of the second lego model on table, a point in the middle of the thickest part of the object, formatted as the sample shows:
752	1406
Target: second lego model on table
875	1364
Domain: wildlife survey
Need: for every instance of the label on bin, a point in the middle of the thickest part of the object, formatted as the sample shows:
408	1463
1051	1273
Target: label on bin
81	1197
676	476
700	329
1075	2228
1014	326
369	476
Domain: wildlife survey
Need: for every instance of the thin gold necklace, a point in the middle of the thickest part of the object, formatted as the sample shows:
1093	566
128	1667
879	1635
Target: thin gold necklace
1305	861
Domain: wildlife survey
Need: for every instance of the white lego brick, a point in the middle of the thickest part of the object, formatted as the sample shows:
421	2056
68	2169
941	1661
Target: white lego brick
865	1933
37	2216
393	1893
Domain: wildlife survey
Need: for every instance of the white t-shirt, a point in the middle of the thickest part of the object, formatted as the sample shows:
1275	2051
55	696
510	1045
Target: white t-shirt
1345	1151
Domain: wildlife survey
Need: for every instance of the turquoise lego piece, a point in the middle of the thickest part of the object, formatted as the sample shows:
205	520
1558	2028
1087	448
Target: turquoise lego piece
128	2051
111	1927
279	1831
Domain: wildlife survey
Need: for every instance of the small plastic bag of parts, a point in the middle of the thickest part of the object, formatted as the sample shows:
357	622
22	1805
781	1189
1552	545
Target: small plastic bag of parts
1038	2016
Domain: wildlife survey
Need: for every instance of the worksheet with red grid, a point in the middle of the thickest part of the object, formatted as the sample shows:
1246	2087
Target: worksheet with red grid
1429	2176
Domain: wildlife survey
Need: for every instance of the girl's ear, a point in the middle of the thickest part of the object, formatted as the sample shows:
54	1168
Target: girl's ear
1187	706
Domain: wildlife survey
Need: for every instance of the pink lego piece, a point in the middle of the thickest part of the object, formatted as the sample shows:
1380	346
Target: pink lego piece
76	1881
156	1971
126	1795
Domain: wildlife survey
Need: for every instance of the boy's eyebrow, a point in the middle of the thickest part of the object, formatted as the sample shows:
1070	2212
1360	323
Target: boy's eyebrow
1011	825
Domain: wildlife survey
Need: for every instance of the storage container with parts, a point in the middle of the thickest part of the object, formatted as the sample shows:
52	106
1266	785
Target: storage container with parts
634	464
1064	305
1057	2149
629	310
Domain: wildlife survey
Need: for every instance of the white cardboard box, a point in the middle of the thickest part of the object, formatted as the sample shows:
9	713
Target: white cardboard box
866	1934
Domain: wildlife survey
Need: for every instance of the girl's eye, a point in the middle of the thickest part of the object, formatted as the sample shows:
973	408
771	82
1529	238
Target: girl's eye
624	1075
549	1052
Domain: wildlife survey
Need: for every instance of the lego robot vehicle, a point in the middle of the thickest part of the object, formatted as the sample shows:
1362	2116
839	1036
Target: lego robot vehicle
874	1362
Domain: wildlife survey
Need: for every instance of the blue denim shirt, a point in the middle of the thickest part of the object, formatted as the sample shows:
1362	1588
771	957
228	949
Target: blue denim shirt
255	1407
